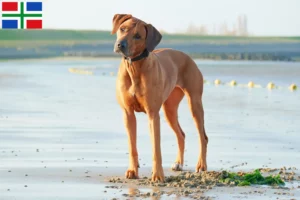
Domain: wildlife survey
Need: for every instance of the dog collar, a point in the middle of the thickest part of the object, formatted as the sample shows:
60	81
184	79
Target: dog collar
145	54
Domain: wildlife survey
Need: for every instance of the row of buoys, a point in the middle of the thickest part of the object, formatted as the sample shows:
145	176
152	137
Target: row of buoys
251	84
233	83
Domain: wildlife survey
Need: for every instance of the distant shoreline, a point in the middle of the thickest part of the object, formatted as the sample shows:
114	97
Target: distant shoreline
36	44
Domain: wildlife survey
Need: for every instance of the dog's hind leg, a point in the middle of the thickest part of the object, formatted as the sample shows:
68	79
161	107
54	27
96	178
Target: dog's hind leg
170	108
195	103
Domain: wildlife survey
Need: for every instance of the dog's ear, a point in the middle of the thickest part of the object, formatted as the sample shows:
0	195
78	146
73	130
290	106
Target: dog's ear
118	20
153	37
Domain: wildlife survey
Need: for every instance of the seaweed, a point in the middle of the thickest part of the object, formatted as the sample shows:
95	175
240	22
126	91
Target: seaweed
246	179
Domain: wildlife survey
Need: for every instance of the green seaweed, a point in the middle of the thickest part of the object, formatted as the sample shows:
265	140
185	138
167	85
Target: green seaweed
250	178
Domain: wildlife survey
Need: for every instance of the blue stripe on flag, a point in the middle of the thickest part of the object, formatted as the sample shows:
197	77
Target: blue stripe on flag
9	24
34	6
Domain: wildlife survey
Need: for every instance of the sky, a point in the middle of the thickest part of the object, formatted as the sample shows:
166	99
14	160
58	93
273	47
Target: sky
265	17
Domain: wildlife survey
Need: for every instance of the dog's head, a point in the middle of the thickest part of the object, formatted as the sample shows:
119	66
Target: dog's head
134	35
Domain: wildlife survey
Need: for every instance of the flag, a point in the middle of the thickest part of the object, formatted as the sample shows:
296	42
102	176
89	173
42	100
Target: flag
22	15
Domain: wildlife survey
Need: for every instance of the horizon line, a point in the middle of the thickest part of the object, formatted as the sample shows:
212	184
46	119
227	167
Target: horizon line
163	32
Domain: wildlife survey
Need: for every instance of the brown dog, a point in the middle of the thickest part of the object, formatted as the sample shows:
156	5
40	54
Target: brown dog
148	79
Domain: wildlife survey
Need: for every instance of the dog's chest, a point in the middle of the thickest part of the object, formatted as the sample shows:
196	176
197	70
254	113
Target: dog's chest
134	96
133	86
136	100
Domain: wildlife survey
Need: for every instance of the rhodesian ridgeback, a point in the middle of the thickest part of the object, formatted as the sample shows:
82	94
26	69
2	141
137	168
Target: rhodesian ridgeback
149	79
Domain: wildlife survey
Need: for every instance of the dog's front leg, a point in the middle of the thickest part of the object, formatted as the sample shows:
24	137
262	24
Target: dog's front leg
130	125
157	170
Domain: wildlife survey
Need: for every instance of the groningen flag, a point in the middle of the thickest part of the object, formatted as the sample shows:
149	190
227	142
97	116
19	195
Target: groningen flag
22	15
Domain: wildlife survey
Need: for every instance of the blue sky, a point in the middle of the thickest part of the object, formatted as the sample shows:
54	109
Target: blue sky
265	17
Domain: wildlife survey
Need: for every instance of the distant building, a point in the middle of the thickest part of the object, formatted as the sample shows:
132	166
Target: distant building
239	29
242	25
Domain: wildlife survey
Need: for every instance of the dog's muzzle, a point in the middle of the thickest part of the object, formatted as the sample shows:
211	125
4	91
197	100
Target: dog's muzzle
121	47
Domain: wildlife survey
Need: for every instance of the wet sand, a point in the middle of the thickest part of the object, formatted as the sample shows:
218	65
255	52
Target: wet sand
62	135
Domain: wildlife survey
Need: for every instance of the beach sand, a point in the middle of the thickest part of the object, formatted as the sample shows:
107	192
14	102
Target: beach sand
62	135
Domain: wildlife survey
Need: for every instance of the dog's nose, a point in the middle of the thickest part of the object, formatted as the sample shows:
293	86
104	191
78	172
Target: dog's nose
122	44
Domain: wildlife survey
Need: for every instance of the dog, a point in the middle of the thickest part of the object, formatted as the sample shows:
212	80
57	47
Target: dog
149	79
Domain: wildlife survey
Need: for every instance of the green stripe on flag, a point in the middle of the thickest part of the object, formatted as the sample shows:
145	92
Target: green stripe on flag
22	17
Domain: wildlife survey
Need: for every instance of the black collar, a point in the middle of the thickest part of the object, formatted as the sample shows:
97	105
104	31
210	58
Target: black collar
139	57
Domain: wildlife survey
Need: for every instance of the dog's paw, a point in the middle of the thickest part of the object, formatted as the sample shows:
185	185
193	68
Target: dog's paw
158	177
177	167
131	174
158	174
201	166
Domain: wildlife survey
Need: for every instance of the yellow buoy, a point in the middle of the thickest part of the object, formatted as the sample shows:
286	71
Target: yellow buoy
217	82
251	84
80	71
233	83
271	85
293	87
71	70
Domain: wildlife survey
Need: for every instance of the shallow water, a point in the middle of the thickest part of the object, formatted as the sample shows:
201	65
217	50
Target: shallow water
53	121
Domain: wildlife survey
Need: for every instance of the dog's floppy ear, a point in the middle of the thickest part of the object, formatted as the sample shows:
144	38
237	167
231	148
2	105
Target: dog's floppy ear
153	37
118	20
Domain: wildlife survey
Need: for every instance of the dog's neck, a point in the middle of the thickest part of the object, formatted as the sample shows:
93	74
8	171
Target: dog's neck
135	68
143	55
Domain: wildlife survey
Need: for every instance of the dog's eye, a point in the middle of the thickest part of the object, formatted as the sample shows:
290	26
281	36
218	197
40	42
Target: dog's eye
122	29
137	36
